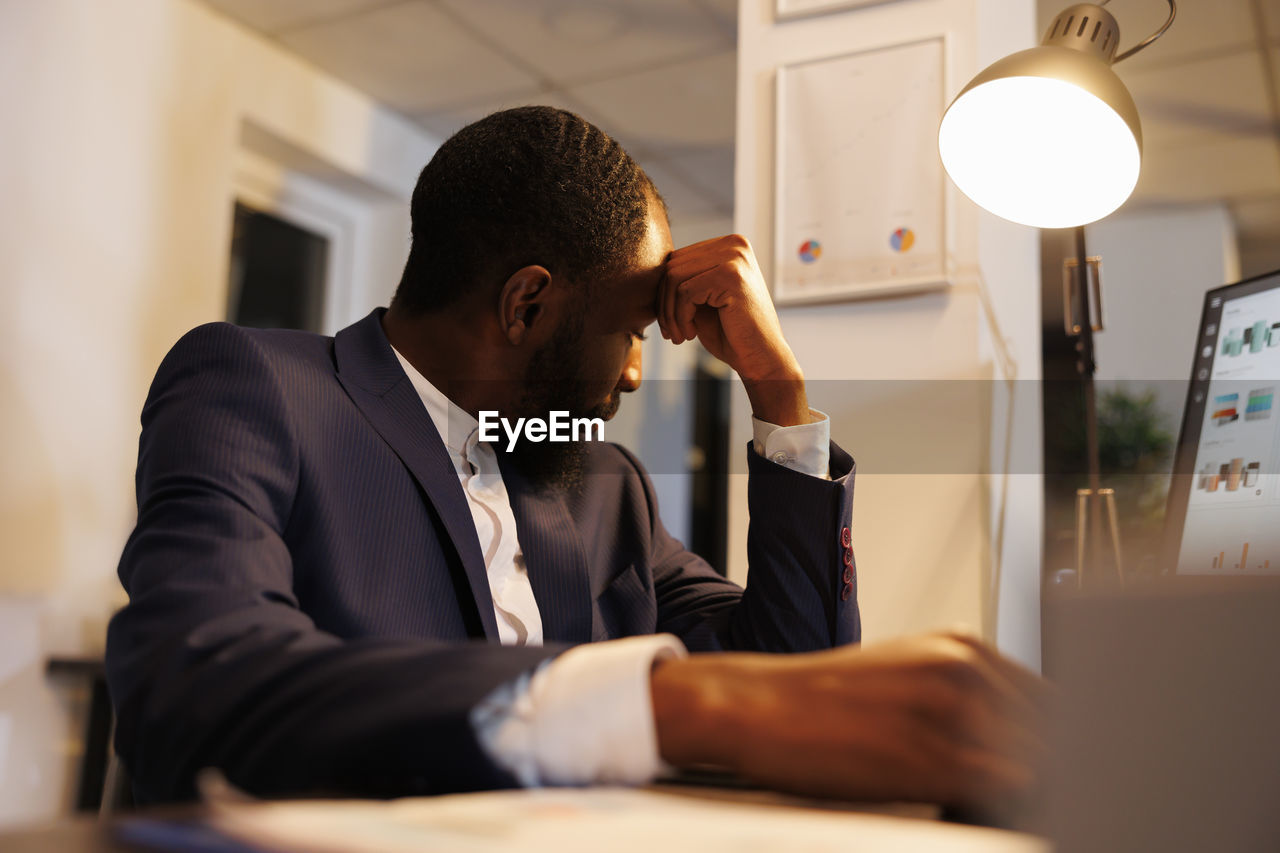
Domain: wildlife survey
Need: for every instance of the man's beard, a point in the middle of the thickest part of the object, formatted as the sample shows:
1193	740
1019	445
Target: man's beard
554	382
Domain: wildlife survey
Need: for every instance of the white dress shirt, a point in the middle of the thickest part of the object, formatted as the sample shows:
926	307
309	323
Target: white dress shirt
585	716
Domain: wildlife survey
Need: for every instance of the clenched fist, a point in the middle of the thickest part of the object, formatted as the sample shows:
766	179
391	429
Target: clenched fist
714	292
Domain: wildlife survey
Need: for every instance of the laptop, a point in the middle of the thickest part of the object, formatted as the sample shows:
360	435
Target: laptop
1223	513
1166	736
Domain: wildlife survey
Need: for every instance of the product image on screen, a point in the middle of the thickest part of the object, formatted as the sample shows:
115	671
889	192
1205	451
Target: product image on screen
1224	501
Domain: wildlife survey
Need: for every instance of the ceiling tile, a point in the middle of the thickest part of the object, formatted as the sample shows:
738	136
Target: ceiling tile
1226	96
1209	171
726	14
709	168
1200	28
688	103
684	200
411	56
689	193
273	16
445	122
579	40
725	10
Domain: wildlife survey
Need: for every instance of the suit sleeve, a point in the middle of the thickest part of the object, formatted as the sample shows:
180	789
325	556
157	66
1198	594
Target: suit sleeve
797	597
213	664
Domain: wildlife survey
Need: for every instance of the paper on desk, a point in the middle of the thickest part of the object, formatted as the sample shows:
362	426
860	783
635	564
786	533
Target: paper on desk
590	819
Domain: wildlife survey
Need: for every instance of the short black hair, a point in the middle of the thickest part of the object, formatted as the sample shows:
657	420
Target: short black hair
530	185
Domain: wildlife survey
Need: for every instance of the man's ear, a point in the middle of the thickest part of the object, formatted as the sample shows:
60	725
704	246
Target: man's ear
523	301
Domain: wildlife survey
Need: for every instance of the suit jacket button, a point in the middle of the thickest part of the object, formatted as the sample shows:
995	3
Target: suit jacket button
848	556
848	574
845	539
846	591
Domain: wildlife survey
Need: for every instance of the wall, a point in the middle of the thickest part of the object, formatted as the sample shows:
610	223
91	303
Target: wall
918	387
113	242
1156	266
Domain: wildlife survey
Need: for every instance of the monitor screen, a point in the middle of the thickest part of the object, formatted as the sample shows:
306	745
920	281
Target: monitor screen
1223	515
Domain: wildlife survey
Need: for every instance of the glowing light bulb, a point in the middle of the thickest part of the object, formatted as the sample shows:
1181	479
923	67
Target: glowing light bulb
1039	151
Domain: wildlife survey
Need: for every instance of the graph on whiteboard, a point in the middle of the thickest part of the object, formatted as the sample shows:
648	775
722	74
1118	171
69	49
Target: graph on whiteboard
860	194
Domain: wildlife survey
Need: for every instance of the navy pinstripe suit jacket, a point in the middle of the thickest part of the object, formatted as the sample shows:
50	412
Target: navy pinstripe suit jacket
308	605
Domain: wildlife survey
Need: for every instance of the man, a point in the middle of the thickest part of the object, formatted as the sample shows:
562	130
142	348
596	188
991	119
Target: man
337	586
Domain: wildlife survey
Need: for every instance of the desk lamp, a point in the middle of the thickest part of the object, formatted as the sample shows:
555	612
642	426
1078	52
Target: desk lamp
1050	137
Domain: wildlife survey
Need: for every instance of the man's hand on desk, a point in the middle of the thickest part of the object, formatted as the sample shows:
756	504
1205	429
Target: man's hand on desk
939	718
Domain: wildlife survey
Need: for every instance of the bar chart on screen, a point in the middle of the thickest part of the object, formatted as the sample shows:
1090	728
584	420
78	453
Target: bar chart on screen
1238	558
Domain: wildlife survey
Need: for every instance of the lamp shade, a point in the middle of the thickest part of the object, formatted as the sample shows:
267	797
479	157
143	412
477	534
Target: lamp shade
1049	136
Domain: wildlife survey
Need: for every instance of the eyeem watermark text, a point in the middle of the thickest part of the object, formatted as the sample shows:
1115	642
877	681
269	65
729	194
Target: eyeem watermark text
558	427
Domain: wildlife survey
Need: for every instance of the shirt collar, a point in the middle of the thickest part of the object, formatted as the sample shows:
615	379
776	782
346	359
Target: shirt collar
454	424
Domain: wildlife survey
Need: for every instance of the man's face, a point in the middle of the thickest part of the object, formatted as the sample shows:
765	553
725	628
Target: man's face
595	355
618	315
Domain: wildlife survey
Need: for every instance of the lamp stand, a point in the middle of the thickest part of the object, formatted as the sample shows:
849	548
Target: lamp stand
1080	323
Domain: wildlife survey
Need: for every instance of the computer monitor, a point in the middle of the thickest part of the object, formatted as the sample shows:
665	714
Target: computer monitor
1223	513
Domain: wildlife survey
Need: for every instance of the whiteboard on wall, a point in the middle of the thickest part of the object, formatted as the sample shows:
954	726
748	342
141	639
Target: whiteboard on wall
860	194
795	8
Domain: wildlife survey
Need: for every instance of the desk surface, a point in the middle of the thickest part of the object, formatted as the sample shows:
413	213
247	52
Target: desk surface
560	820
73	835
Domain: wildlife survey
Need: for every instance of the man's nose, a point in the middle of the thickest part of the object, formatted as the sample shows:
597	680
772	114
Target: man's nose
630	378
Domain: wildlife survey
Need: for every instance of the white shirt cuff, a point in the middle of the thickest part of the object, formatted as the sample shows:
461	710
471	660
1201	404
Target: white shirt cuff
585	717
804	447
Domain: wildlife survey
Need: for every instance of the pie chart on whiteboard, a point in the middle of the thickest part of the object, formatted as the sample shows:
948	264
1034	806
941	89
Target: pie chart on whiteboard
902	239
810	251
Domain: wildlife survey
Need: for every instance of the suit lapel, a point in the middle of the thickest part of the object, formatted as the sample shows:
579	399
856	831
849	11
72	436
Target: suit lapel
371	374
554	558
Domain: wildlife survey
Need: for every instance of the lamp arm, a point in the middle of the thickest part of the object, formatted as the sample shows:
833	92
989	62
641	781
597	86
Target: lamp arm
1173	10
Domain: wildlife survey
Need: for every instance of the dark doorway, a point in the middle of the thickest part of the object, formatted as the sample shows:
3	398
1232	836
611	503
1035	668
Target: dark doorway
277	273
1065	464
709	527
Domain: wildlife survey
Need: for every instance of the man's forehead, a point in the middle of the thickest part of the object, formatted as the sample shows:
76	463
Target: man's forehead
640	289
636	292
636	288
656	247
656	244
